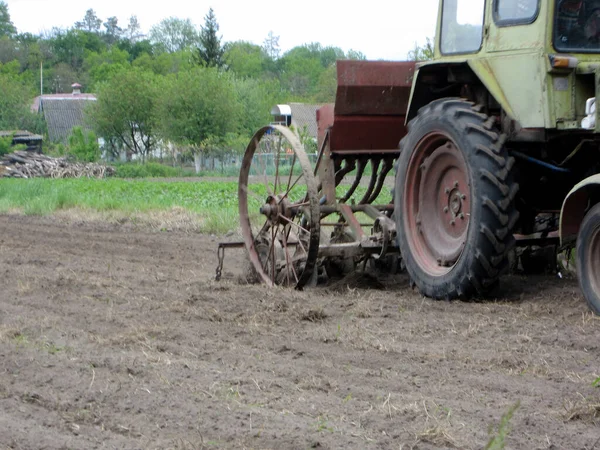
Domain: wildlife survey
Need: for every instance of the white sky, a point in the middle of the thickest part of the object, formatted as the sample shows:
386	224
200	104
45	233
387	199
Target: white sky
381	29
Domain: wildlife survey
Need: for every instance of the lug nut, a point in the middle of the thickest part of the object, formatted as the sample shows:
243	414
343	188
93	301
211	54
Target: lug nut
456	184
463	197
453	222
446	210
462	216
447	190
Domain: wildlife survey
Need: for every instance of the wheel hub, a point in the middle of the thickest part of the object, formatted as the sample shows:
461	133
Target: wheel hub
276	209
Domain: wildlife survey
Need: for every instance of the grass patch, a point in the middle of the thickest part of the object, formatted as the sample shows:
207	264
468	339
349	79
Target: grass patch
151	170
214	204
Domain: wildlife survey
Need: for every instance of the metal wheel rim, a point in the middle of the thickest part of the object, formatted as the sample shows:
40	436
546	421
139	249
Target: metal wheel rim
437	203
592	260
297	267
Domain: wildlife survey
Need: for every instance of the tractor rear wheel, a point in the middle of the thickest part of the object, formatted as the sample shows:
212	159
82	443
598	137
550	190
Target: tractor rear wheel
454	200
588	258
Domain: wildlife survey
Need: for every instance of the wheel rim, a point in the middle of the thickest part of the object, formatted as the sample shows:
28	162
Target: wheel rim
279	211
592	263
437	203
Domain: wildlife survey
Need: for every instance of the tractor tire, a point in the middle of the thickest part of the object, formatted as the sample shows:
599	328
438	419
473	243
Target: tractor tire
588	258
454	201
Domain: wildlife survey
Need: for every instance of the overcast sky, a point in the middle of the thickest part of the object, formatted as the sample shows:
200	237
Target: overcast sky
381	29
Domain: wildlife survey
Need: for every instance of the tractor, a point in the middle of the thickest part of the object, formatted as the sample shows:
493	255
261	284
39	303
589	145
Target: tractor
442	167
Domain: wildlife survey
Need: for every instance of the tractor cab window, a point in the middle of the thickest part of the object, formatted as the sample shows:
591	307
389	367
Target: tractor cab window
462	26
577	25
513	12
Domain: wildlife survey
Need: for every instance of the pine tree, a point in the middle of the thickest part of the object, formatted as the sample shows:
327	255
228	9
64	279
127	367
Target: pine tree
210	52
6	26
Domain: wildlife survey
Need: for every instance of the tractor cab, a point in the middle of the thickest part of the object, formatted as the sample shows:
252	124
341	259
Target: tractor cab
536	61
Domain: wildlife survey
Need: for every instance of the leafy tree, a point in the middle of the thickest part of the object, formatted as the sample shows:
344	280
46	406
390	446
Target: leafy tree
245	59
165	63
59	78
271	46
15	106
210	52
421	53
102	66
136	48
356	55
133	31
83	145
113	30
70	46
126	110
256	98
327	85
173	35
90	23
198	109
6	26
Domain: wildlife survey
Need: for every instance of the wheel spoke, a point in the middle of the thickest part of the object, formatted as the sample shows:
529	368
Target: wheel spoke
293	223
287	189
277	164
287	260
293	185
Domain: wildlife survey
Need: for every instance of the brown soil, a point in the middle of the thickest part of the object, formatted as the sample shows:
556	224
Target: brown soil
115	337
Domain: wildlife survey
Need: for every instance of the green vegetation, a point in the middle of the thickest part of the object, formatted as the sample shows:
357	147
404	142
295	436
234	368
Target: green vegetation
497	440
150	170
83	145
214	203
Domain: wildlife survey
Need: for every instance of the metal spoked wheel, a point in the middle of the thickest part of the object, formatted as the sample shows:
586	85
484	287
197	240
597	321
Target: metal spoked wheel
279	208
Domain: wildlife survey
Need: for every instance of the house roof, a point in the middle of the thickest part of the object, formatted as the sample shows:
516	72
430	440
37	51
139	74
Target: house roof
35	107
62	113
304	115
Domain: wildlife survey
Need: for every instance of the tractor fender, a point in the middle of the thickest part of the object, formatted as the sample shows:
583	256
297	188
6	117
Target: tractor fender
575	206
479	69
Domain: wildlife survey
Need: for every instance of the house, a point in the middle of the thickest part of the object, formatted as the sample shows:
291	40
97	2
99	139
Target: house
63	112
301	116
32	141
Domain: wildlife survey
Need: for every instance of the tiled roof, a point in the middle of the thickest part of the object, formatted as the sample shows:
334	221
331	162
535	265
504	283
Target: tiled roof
304	115
64	113
35	107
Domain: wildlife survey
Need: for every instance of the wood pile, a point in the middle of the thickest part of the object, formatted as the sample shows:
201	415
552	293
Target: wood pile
23	164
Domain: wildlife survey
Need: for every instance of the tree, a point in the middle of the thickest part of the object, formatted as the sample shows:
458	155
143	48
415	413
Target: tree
356	55
15	106
83	145
71	46
245	59
90	23
133	30
424	53
113	30
271	46
6	26
256	98
210	52
173	35
126	110
198	108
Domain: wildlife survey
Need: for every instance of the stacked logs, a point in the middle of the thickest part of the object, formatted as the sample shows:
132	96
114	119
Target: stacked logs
23	164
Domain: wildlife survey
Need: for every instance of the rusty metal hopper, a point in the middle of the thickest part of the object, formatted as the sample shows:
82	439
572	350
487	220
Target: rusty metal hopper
370	106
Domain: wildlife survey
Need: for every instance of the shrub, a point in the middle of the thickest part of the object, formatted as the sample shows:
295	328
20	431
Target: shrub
83	146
